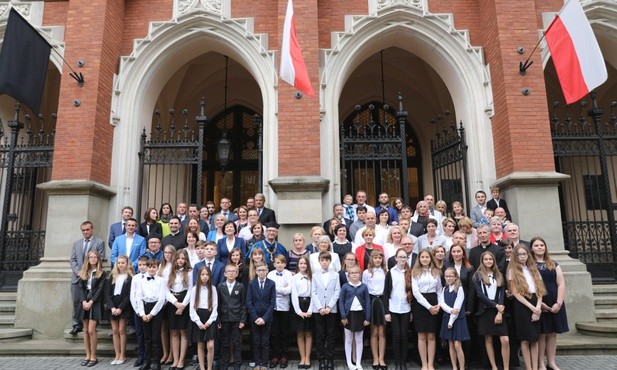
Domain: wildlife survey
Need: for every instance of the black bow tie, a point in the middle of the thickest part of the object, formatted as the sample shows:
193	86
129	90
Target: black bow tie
279	274
150	277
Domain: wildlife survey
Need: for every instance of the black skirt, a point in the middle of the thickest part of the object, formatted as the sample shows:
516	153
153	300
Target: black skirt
198	335
424	320
355	321
94	313
126	313
178	322
486	324
378	313
302	324
526	329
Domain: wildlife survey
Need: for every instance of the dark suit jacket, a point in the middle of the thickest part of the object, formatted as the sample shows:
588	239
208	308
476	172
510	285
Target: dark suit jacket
77	255
218	270
178	240
416	229
476	252
491	204
326	226
115	230
155	229
232	308
267	217
203	226
125	295
223	252
261	302
98	288
392	261
483	301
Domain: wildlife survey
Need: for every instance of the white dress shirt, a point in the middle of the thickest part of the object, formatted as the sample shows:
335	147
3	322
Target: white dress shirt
203	303
178	286
425	283
398	297
152	291
283	288
300	287
376	282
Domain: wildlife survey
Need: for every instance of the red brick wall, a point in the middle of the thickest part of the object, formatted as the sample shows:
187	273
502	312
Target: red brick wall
93	32
137	18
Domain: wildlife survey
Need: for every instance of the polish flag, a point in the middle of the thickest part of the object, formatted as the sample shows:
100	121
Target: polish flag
575	52
293	70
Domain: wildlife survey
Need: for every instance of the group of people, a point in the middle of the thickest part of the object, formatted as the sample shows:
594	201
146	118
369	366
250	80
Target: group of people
194	280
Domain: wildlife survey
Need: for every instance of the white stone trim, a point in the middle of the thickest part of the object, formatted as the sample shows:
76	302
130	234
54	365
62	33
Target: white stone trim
154	59
433	38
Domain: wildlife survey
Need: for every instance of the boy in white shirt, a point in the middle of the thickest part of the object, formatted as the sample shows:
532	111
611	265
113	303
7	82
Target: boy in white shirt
280	324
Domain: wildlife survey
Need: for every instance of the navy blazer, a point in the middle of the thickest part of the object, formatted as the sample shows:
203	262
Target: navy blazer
223	252
218	271
346	296
115	230
261	302
267	217
492	204
97	289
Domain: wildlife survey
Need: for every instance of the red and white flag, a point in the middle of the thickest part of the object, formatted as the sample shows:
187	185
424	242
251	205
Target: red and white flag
293	69
575	52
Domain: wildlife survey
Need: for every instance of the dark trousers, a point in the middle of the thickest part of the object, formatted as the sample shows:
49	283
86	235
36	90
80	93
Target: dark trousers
139	332
400	324
152	336
230	336
324	335
261	343
279	336
75	319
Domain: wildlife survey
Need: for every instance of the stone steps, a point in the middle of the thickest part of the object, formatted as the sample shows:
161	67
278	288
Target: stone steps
605	302
7	320
597	329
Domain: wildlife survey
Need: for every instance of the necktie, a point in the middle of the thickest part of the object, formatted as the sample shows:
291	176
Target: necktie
150	278
261	285
86	242
123	229
209	265
259	211
279	274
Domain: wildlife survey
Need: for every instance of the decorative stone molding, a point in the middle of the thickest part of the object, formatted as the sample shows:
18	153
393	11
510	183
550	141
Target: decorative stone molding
415	3
213	6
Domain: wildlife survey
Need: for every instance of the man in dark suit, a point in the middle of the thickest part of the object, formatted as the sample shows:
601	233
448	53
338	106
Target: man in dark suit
484	237
225	211
512	231
384	203
79	253
118	228
231	316
260	301
337	212
496	202
194	214
177	237
408	244
266	215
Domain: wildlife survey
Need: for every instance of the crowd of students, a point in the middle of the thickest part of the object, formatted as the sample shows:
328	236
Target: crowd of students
199	292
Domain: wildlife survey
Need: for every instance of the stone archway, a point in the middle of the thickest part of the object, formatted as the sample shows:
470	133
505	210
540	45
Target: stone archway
431	37
143	74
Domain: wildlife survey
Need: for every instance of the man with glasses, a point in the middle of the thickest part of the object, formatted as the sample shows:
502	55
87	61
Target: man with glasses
408	244
225	211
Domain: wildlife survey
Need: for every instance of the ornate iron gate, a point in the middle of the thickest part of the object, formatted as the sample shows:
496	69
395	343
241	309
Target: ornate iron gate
25	162
587	152
449	159
373	151
171	161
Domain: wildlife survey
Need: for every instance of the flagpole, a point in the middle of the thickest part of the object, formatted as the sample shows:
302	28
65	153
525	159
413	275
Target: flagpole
77	76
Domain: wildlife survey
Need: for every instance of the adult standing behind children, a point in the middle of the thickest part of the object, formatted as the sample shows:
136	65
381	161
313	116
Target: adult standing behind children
79	254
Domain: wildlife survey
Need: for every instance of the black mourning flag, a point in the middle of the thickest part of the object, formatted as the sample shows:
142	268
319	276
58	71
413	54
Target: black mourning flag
23	62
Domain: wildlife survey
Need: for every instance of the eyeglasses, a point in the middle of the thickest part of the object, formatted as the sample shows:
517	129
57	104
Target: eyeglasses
262	270
401	257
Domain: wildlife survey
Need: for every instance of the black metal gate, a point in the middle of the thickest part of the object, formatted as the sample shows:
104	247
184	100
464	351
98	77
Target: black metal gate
449	160
373	150
586	150
171	161
25	162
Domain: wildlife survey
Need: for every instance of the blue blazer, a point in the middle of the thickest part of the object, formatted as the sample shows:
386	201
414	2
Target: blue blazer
218	270
348	293
230	217
223	253
119	248
115	230
261	302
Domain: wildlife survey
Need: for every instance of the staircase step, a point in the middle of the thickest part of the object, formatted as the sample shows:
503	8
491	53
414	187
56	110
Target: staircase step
604	302
578	344
7	307
8	296
598	329
607	314
605	289
7	320
103	335
15	335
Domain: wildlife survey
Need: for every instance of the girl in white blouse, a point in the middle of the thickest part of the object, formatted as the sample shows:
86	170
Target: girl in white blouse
203	313
426	287
178	295
164	268
301	302
374	277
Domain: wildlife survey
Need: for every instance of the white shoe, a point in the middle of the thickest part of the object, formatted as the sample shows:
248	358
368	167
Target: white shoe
114	362
120	362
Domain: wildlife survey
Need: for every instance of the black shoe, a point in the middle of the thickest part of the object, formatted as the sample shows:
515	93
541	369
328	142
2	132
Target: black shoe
322	365
274	362
92	363
283	362
144	366
138	362
156	366
85	362
75	330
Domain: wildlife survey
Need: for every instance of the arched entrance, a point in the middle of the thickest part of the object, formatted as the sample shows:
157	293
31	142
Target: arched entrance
184	60
434	69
